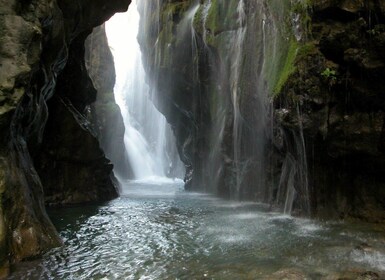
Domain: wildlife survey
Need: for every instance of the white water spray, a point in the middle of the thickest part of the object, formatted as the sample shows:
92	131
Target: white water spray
235	75
146	129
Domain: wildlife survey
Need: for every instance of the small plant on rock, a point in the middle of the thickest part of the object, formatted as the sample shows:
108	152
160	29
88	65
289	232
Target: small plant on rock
330	76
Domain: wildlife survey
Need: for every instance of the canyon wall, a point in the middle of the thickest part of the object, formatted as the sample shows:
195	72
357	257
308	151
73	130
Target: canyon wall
105	113
275	102
335	99
217	67
46	142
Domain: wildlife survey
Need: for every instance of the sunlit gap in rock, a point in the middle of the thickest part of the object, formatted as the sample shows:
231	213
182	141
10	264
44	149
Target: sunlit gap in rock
149	140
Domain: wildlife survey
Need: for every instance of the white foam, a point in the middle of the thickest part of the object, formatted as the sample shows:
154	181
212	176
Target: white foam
247	216
155	180
374	259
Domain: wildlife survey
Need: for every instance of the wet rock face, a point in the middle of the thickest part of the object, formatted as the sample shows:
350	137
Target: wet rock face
72	171
208	71
169	70
106	116
328	115
19	52
25	230
338	87
38	37
61	154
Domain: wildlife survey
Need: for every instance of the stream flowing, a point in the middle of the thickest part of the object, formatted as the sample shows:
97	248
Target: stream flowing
156	230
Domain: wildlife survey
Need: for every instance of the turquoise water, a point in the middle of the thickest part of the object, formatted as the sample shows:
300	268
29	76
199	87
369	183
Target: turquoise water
159	231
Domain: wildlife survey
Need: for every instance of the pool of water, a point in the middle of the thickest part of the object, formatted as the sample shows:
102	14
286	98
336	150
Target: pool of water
158	231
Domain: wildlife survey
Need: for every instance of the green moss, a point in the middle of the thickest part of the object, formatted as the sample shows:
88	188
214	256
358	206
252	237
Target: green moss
306	49
198	20
212	17
222	16
288	66
175	10
171	15
286	52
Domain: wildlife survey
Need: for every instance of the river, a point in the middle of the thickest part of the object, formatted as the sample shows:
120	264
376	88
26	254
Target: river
156	230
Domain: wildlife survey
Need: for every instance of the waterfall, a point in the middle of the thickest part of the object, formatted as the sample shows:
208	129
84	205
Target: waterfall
147	134
235	79
222	64
240	102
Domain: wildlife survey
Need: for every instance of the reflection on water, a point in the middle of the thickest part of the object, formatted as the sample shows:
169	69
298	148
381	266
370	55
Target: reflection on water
158	231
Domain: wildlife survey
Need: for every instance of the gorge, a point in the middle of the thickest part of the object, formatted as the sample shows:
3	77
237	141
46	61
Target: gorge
271	106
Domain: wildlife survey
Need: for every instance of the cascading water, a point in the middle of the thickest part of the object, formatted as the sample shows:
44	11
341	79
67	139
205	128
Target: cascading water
147	134
223	81
235	79
240	45
251	48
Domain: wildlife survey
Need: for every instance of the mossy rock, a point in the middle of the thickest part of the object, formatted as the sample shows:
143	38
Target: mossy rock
290	48
222	16
287	66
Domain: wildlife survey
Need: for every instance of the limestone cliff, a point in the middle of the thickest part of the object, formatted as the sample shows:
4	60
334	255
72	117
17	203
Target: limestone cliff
40	43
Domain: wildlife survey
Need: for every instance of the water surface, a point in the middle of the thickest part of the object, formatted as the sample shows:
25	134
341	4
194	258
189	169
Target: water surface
158	231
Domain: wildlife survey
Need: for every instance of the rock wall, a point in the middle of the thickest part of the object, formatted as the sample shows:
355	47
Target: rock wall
216	65
106	116
319	66
38	38
169	70
336	96
319	63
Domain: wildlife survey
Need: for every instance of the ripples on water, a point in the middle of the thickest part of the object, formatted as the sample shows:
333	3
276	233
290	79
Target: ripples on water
158	231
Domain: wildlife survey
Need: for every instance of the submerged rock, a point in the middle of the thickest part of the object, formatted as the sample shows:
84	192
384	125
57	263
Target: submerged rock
354	275
288	274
